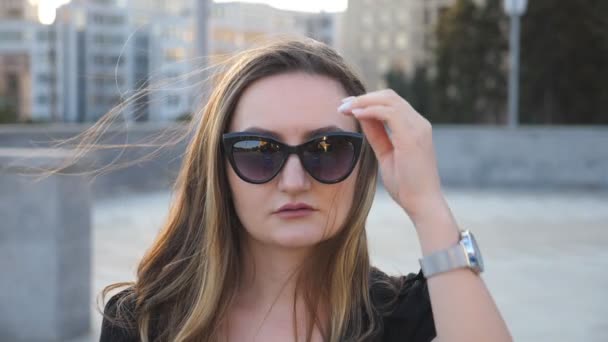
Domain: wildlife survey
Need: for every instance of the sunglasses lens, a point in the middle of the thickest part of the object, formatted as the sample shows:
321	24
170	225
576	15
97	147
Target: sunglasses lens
329	159
257	160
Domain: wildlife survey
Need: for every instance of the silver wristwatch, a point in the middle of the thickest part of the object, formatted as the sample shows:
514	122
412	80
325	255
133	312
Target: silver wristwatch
464	254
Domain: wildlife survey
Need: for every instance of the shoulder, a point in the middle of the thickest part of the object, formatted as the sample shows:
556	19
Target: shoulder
404	305
119	322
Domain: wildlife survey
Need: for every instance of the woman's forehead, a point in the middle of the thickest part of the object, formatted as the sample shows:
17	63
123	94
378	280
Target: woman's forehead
292	106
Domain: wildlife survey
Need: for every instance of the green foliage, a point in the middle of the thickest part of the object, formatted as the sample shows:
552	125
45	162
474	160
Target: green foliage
564	65
416	89
564	62
8	113
470	85
184	117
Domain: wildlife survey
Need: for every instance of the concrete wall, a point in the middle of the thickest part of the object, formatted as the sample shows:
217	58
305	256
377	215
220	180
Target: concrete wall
155	174
542	157
45	250
471	156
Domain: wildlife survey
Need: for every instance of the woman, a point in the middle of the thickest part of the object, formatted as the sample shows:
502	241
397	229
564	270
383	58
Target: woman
266	239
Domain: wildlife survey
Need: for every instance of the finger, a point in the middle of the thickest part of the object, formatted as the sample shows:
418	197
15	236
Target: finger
399	127
379	97
377	137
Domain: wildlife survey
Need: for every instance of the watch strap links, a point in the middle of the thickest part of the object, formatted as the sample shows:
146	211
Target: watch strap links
444	260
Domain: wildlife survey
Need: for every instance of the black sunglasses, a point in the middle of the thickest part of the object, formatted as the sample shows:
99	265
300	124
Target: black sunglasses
258	158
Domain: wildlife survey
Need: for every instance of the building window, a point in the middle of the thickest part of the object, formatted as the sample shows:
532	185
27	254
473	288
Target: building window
113	100
141	61
175	54
45	35
384	40
172	101
8	36
188	35
401	17
108	39
401	41
115	20
367	42
99	82
367	19
42	99
385	17
45	78
383	64
98	59
326	23
116	60
97	19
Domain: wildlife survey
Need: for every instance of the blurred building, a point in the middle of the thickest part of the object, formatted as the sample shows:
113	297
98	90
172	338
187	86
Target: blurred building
379	34
27	56
167	56
235	26
99	53
94	68
323	26
18	10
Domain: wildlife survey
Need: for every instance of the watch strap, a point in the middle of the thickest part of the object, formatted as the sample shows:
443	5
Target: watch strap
444	260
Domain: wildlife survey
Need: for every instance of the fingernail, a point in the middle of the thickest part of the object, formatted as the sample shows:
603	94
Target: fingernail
347	98
345	106
357	111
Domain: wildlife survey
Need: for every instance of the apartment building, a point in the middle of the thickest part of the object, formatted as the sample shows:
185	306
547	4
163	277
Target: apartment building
100	53
27	56
379	33
94	68
235	26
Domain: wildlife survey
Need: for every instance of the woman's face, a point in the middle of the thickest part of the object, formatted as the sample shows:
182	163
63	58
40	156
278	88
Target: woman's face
290	106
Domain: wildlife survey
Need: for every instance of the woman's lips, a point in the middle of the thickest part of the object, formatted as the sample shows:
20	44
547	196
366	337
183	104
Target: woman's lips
294	213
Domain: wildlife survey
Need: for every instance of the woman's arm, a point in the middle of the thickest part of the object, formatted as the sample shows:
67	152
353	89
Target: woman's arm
463	309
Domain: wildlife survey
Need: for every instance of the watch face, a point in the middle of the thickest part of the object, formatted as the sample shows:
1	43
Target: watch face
470	245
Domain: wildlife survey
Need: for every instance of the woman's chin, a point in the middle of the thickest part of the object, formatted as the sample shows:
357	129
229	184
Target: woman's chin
298	237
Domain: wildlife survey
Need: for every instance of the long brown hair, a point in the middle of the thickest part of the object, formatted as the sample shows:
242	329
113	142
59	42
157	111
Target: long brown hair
187	280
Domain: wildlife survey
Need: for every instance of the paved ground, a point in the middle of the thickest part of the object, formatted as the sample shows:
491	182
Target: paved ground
546	253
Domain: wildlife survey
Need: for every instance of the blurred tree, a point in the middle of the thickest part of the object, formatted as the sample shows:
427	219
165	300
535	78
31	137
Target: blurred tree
416	89
8	113
397	80
470	82
564	62
187	116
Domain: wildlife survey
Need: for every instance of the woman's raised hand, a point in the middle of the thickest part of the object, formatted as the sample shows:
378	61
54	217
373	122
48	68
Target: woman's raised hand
406	155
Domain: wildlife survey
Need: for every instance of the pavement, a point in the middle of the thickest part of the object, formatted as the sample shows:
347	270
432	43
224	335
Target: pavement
546	252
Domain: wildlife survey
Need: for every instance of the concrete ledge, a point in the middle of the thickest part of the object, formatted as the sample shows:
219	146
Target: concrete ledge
45	250
527	157
551	157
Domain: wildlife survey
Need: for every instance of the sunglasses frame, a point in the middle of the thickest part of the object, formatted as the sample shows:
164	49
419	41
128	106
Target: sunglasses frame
230	139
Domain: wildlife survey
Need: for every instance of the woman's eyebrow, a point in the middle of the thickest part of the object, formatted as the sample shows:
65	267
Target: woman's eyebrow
310	134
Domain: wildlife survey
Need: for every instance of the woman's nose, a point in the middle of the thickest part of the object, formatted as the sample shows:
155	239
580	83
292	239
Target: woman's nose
293	177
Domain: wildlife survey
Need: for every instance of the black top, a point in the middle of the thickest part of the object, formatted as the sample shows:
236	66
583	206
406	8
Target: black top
410	320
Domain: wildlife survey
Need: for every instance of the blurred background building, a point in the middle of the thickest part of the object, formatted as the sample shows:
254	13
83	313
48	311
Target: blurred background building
235	26
93	69
27	62
395	32
98	53
164	50
449	58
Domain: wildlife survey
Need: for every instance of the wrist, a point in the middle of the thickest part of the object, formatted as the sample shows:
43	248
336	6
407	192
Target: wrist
425	208
439	238
437	229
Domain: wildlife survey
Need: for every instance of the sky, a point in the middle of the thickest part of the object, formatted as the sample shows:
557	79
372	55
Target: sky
46	9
